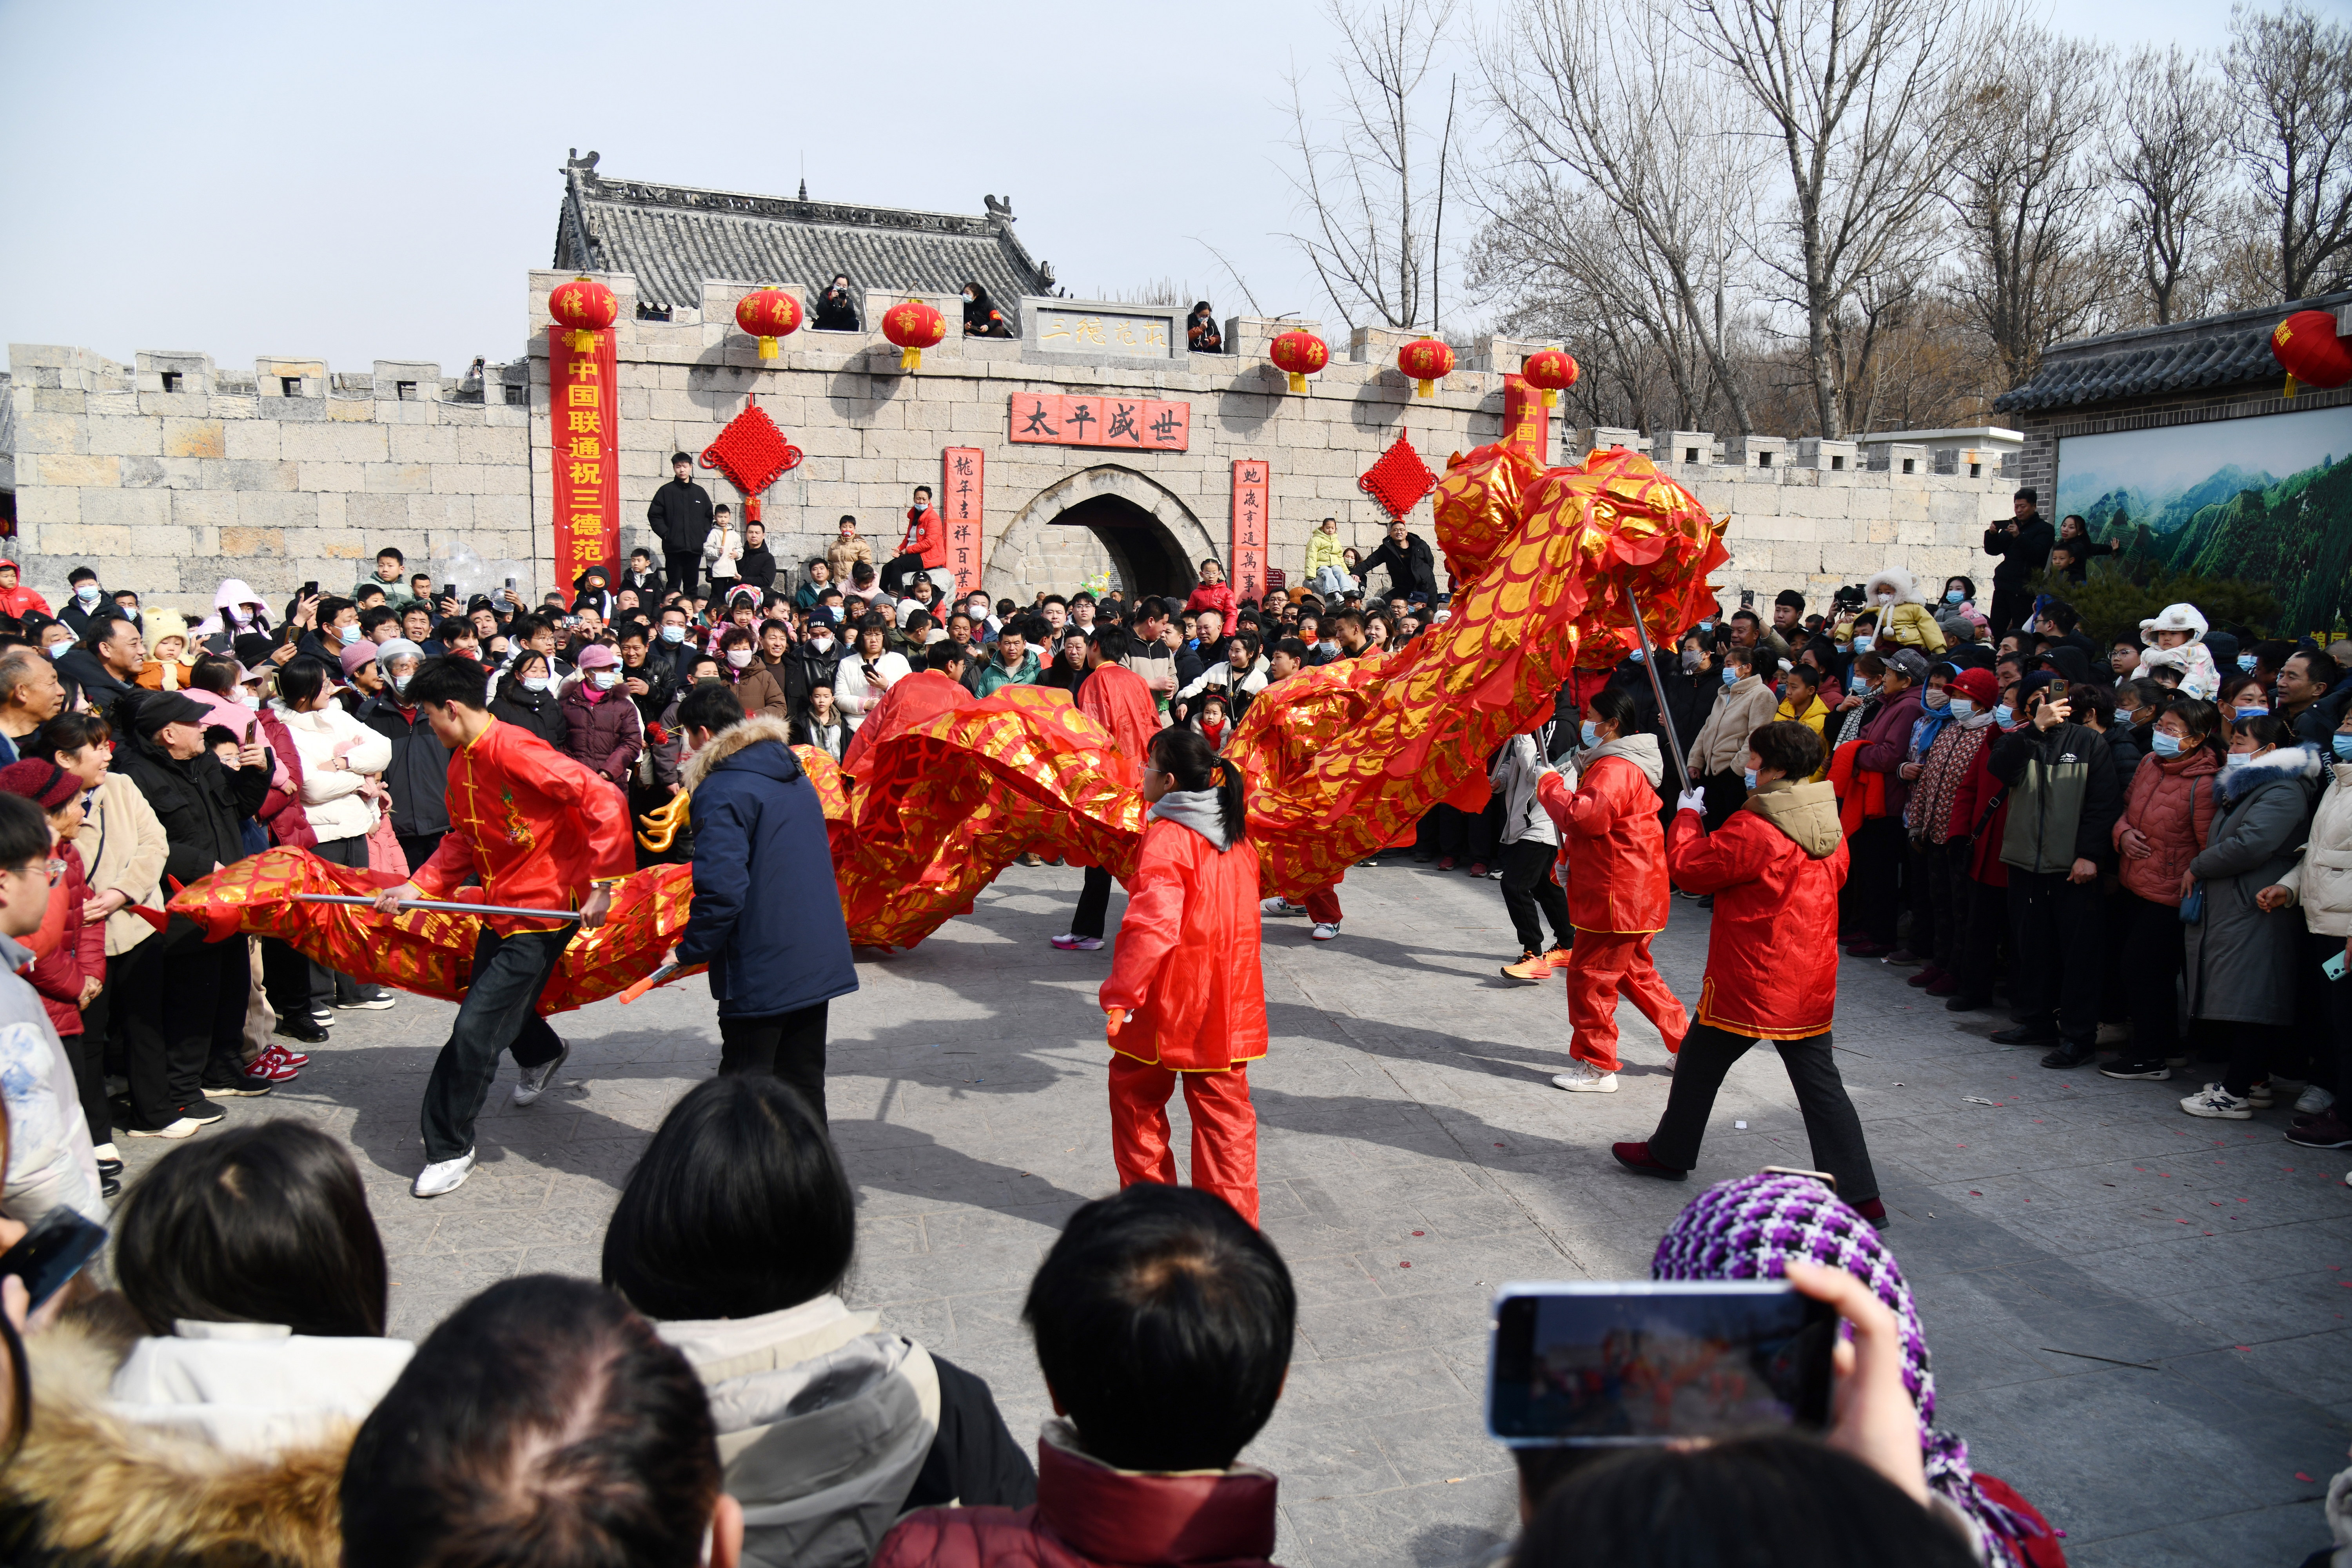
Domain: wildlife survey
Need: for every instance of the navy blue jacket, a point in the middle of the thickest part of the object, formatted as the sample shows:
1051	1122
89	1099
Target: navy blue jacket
767	912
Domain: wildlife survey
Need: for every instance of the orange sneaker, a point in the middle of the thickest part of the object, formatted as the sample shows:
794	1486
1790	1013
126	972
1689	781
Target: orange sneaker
1532	967
1557	958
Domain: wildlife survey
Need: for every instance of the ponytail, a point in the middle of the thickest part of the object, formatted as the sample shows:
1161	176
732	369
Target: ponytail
1192	764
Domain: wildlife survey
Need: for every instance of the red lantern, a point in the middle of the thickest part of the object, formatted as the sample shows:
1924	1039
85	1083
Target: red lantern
767	315
1301	353
586	308
1549	373
1426	361
2307	344
913	327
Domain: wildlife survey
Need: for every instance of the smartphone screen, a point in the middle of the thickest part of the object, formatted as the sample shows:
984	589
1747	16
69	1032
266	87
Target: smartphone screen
52	1252
1649	1361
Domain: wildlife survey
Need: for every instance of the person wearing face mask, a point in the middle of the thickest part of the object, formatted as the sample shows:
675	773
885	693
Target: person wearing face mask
1744	705
417	776
982	318
2167	816
2320	881
2241	696
1947	797
602	727
924	547
526	696
1876	903
811	662
867	670
87	599
1955	609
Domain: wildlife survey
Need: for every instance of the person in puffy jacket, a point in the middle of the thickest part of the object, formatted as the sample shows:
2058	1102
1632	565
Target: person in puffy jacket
526	697
733	1236
1771	962
342	797
1746	701
1903	620
601	726
2167	815
1141	1472
2321	881
1617	890
1186	997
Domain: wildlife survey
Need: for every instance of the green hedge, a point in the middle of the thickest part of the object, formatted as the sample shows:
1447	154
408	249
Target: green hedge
2113	606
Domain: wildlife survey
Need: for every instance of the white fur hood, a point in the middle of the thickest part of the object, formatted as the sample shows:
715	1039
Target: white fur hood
1892	586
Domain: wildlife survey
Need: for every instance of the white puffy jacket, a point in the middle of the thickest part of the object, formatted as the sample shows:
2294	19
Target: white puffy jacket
2322	878
330	789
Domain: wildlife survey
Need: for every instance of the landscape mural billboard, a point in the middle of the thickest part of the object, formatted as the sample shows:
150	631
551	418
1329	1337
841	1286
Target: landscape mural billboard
2265	499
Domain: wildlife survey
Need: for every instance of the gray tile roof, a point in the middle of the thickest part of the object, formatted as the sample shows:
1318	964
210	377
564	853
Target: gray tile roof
2211	353
672	237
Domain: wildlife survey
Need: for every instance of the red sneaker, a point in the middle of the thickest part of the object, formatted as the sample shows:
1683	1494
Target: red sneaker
1637	1158
1928	975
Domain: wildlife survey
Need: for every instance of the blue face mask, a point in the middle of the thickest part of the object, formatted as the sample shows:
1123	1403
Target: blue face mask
2004	715
1707	626
1750	776
1635	655
537	682
1954	596
2236	760
2167	743
1591	735
2343	744
2246	662
1862	641
1962	707
87	594
2123	715
673	634
1730	674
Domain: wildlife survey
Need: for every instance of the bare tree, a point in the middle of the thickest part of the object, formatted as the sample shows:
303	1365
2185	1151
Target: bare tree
2169	158
2027	189
1852	89
1608	100
1372	235
2290	76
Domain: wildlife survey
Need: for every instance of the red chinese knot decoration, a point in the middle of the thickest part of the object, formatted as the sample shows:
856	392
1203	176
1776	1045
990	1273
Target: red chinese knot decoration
585	308
913	328
754	454
1400	479
767	315
1299	355
2307	344
1427	361
1550	372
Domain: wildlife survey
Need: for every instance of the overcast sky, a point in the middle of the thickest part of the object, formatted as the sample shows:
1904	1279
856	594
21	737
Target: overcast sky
363	182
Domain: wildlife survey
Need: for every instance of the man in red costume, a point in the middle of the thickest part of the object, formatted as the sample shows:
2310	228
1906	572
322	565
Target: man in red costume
1116	697
937	687
541	831
1774	867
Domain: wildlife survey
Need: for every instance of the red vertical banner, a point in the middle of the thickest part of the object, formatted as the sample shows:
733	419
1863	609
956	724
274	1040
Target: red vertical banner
963	473
1252	496
1526	423
584	439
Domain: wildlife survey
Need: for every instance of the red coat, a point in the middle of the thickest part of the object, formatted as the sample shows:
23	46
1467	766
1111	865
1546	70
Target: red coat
2171	801
1616	851
536	827
1217	596
925	694
927	536
1116	697
1185	965
15	601
1772	951
80	953
1088	1513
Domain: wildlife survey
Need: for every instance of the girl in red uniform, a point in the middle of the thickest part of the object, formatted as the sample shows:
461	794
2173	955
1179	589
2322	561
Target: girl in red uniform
1185	997
1617	891
1774	867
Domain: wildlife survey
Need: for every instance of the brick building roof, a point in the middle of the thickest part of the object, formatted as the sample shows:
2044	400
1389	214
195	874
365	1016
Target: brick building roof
2209	353
672	237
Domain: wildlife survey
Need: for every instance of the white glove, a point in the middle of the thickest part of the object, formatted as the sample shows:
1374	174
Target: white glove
1692	800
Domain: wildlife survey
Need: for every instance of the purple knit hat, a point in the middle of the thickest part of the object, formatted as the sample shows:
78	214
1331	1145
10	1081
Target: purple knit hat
1748	1227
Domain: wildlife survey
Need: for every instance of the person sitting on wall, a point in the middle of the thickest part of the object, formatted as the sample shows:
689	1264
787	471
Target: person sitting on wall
1201	333
981	318
837	308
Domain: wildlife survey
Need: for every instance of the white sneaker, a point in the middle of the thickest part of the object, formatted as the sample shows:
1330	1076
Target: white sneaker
323	1016
1583	1078
1279	906
443	1177
2315	1100
369	1004
2215	1100
186	1127
534	1081
1325	932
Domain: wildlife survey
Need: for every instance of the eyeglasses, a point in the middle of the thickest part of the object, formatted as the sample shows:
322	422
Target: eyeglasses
52	869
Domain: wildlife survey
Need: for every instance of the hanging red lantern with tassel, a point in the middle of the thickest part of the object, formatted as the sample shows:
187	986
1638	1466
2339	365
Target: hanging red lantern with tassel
585	308
1550	372
1299	355
913	327
2313	352
767	315
1428	362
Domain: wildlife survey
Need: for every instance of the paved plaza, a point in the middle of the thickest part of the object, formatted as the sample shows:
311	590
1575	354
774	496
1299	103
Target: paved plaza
2138	1318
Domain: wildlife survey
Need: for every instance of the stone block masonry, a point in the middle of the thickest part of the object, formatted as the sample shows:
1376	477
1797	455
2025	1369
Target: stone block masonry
171	473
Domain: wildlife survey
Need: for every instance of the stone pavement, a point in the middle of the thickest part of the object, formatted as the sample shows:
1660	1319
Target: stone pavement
2133	1314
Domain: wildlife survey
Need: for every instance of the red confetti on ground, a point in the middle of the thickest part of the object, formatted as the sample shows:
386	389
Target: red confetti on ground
1976	1194
1420	1233
2242	1347
1404	1265
2181	1222
2301	1477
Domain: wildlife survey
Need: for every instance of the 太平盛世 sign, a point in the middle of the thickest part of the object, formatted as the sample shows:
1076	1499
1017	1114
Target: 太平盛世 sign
1136	423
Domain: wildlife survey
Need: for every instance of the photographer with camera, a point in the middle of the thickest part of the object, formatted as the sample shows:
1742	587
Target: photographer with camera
2023	543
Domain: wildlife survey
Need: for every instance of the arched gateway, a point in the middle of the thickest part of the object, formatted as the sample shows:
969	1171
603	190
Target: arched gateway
1106	520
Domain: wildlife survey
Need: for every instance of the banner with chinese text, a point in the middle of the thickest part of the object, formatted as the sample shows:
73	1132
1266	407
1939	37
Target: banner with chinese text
1139	423
963	473
1526	423
584	440
1253	494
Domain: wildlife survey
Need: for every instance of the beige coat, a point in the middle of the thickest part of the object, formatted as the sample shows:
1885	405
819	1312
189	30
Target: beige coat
2321	880
122	842
1722	745
842	556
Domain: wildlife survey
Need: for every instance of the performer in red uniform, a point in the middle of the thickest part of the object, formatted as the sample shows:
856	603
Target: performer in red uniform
1185	996
929	691
1116	697
1774	867
1617	889
542	831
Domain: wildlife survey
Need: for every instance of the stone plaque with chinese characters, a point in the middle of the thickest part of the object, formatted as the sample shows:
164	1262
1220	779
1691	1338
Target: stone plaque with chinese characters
1253	498
1097	332
1138	423
963	482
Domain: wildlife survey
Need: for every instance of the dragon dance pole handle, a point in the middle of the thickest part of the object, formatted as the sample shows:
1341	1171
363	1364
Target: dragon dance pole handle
648	982
1658	685
445	907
